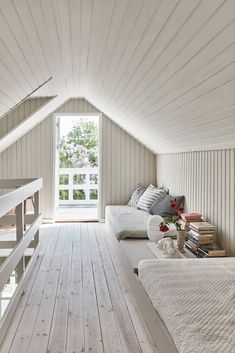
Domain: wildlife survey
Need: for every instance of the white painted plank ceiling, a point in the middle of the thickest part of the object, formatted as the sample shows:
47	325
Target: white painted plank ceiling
164	70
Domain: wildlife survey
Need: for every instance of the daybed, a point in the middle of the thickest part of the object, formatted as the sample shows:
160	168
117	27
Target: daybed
188	305
127	221
194	300
141	217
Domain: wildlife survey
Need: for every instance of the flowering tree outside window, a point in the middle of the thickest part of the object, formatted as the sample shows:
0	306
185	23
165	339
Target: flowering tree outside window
78	148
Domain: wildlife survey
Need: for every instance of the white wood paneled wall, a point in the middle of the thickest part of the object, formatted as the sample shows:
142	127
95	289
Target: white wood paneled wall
22	111
125	161
207	179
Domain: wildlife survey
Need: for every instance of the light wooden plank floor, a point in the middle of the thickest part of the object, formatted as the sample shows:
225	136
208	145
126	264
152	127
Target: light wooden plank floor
70	214
77	298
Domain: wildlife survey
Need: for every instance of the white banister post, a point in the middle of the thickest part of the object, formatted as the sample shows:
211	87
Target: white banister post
19	235
36	214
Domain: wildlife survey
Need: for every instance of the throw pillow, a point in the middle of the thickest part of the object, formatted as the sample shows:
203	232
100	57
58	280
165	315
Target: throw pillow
163	207
154	209
136	195
148	197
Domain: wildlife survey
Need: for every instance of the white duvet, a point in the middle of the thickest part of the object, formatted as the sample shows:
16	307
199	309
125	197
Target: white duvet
127	221
196	301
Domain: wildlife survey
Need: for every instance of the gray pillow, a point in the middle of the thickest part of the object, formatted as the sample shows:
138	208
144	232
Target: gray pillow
162	206
136	195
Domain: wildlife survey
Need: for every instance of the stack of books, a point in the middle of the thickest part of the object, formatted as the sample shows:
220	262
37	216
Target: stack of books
201	240
188	218
211	250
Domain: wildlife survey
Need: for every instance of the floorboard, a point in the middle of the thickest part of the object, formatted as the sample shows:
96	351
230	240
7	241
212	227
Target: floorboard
77	298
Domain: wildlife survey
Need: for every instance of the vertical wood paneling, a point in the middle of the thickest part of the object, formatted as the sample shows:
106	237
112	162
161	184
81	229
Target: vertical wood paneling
207	179
125	161
22	111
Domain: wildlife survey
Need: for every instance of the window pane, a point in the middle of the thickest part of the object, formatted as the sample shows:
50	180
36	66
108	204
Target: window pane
93	194
79	195
94	179
79	179
63	194
64	179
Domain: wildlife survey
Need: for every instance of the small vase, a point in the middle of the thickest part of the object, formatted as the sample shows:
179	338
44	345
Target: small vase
180	240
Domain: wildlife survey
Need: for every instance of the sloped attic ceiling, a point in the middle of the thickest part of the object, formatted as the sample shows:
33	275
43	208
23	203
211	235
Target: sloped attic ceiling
162	69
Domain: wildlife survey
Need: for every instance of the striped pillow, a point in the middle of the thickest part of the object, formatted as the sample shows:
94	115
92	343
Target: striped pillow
136	195
148	197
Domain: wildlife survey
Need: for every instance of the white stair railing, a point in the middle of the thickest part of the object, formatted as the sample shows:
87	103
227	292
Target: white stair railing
18	256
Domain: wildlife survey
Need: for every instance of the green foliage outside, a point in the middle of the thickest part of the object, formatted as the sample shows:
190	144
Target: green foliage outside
79	195
79	179
63	194
94	178
64	179
94	194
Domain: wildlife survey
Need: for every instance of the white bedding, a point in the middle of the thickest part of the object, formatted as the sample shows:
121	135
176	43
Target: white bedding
127	221
196	301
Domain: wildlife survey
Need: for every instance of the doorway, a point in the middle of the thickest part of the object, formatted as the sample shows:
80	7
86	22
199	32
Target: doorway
77	169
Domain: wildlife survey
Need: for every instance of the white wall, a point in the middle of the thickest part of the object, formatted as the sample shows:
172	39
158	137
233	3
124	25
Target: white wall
207	180
125	161
21	111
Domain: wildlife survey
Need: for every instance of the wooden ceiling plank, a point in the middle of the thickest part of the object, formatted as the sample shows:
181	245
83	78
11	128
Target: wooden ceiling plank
218	79
149	132
204	102
23	10
185	53
214	55
215	120
9	89
86	15
39	23
47	13
114	29
215	136
214	65
146	132
101	20
190	39
164	11
145	17
63	24
17	41
10	81
13	68
130	17
171	26
5	106
75	23
212	108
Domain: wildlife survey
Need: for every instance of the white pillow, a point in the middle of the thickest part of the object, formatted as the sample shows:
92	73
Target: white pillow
153	224
148	197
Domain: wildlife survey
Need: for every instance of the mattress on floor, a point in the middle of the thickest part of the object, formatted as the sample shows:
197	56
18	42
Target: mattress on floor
127	221
195	299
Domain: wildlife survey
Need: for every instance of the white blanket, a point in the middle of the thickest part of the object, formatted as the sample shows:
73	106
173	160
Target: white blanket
127	221
196	301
